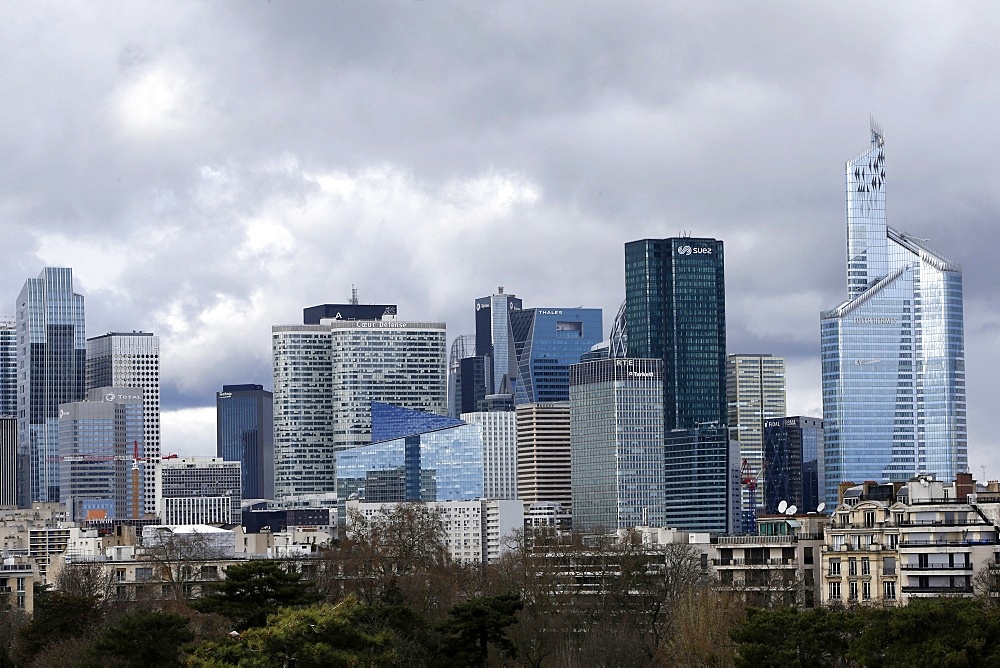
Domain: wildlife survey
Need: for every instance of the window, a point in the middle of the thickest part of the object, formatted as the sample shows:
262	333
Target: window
835	591
834	567
853	591
888	565
852	566
869	518
866	567
866	590
889	590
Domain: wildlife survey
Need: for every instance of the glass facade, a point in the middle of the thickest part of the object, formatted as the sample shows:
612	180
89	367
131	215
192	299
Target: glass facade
793	449
132	359
893	354
702	480
102	469
51	368
327	376
547	341
616	444
390	422
675	310
442	465
245	434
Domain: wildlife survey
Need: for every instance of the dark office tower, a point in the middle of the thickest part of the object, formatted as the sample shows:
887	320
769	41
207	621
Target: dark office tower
132	359
463	347
675	310
793	449
494	338
8	460
245	434
51	367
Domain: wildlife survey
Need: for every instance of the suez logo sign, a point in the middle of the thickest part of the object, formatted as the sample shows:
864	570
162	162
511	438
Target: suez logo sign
693	250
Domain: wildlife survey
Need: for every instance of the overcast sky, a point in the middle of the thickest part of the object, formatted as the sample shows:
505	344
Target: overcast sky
209	169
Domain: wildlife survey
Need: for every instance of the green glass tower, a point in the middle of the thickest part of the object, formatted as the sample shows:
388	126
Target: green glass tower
675	310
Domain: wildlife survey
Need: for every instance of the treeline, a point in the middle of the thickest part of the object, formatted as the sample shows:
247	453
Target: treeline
390	596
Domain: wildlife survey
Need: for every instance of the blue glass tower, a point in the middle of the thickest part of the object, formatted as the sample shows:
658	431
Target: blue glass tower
51	368
893	353
245	434
546	342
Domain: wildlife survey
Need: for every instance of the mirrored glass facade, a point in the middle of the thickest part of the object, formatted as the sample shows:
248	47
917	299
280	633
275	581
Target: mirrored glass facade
616	444
443	465
245	434
893	354
547	342
675	310
51	370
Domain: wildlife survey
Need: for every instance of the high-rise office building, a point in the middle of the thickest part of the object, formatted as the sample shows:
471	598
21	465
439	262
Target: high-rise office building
546	342
132	359
8	367
462	347
702	480
8	461
893	353
102	469
499	434
495	338
675	310
244	423
793	447
616	441
199	490
755	387
326	377
543	453
51	370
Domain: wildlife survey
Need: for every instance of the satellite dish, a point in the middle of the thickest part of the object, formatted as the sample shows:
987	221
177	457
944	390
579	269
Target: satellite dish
821	507
782	505
792	509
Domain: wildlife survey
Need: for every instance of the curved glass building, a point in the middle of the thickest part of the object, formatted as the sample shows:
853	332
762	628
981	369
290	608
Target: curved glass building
893	353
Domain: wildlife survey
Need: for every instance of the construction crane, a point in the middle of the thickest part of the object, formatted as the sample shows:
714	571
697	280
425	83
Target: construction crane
749	480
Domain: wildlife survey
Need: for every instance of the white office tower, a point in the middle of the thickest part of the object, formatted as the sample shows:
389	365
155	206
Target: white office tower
499	431
326	377
8	412
199	490
132	359
755	392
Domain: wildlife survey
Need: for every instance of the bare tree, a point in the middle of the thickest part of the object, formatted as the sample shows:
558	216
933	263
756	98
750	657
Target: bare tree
180	562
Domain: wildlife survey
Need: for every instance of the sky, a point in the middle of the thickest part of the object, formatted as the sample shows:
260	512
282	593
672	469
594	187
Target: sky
210	169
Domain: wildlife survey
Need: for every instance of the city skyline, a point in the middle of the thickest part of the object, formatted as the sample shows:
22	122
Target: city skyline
204	203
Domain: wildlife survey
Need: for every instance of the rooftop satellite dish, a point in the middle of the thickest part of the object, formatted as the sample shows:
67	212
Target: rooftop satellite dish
792	509
782	505
821	507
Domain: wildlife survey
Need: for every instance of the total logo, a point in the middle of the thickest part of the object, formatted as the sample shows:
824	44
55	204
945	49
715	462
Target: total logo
696	250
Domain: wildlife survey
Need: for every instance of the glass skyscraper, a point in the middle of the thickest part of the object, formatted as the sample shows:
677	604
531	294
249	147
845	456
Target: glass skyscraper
546	342
793	448
51	370
893	353
245	434
132	359
675	310
616	444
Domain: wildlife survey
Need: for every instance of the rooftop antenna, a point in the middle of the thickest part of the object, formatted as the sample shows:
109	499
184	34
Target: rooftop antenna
500	290
878	139
354	295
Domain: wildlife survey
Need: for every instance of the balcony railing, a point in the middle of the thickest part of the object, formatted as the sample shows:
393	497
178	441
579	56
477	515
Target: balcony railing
946	542
754	562
936	567
967	589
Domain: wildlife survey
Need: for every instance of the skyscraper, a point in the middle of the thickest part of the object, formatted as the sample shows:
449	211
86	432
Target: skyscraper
495	339
102	469
675	310
326	377
546	342
793	447
51	359
132	359
8	368
893	353
543	453
245	433
616	441
755	387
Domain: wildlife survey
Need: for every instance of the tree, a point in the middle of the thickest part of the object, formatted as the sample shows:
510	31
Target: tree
58	616
148	638
179	559
253	590
313	637
90	579
476	624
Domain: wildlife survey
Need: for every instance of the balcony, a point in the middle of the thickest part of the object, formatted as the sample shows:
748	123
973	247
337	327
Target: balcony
938	591
946	542
936	567
755	562
755	540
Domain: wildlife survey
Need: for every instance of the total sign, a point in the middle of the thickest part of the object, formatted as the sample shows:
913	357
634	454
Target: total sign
693	250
